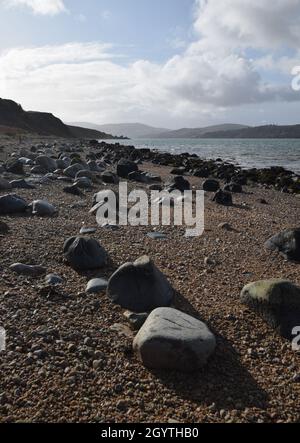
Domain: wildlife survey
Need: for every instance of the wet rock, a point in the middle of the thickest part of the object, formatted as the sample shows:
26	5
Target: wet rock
172	340
140	286
28	270
96	286
277	301
83	253
223	198
211	185
43	208
125	167
12	204
287	243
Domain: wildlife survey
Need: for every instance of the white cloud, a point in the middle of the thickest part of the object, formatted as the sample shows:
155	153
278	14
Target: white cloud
84	82
43	7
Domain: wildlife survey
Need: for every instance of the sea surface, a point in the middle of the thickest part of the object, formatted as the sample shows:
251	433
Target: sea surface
254	153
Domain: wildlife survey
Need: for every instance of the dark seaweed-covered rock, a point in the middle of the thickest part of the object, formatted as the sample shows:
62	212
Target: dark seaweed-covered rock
83	253
277	301
287	243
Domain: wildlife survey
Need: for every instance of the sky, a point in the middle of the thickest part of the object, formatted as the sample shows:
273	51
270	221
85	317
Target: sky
167	63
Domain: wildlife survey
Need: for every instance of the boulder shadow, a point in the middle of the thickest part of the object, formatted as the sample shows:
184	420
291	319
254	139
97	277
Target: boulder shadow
224	382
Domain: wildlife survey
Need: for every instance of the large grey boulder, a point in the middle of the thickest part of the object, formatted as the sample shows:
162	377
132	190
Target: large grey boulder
140	286
43	208
46	163
287	243
12	204
277	301
73	170
84	254
172	340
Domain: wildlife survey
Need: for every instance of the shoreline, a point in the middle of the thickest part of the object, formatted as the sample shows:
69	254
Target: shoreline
250	376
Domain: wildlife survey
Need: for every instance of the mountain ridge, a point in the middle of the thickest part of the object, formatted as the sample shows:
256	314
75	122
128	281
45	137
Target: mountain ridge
14	119
131	130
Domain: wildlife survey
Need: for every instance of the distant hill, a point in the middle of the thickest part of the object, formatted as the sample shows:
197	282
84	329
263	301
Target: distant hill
14	119
130	130
268	131
199	132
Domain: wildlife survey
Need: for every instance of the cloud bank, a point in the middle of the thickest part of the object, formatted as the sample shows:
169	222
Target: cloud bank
81	81
43	7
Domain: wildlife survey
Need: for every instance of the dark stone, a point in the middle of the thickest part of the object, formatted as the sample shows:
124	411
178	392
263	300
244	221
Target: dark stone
202	173
4	228
12	204
15	167
21	184
178	171
223	198
179	183
140	287
109	178
235	188
73	190
211	185
84	253
125	167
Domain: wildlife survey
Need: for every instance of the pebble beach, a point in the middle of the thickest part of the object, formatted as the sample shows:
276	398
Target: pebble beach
69	354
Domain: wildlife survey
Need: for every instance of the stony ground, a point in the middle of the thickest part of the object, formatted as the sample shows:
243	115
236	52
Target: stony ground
69	355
